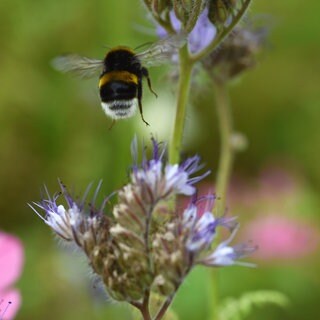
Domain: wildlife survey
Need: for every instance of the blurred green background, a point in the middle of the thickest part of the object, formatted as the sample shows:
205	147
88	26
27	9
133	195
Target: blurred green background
51	125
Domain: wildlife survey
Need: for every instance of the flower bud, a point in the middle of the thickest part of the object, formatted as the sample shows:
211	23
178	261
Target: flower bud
237	54
219	11
160	6
239	141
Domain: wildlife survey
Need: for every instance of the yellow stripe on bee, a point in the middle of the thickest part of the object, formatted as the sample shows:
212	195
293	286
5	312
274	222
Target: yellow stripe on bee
118	76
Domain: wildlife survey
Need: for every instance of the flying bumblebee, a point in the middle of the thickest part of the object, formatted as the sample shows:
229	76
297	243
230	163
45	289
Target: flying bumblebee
121	73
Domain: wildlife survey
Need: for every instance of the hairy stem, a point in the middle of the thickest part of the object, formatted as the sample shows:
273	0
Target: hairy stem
183	94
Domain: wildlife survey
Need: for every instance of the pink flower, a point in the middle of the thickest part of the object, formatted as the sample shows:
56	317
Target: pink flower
282	238
11	263
274	185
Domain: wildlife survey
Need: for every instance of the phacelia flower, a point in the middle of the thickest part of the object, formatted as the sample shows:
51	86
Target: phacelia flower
225	255
146	244
201	35
11	263
161	179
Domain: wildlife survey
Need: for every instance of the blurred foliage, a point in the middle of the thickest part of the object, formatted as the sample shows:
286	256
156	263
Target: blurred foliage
52	125
241	308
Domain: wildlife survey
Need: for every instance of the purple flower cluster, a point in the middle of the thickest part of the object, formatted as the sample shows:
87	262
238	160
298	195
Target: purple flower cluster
201	35
147	242
164	179
201	231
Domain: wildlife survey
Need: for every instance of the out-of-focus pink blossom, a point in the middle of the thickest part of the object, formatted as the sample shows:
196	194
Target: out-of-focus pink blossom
281	237
275	185
276	181
269	204
11	263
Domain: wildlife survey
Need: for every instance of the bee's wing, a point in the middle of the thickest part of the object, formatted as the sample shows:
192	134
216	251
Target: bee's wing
161	51
78	65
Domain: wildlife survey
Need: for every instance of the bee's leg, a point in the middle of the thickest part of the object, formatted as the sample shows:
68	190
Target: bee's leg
140	103
112	124
145	73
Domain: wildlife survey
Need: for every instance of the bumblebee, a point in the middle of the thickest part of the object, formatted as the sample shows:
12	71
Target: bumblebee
121	74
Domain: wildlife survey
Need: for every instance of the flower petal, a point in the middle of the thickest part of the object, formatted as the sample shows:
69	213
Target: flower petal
203	233
10	302
11	259
202	34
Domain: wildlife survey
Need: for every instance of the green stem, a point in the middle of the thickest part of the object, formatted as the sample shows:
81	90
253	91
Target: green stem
183	93
214	294
164	308
166	304
145	306
223	174
226	149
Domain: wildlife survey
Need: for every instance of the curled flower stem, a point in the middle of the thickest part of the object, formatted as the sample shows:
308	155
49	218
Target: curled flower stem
177	4
194	15
183	93
165	23
223	34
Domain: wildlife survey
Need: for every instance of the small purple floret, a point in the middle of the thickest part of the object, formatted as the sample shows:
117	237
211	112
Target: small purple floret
201	230
201	35
162	178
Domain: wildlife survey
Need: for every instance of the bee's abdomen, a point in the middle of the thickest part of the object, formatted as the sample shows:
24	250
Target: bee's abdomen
118	85
118	90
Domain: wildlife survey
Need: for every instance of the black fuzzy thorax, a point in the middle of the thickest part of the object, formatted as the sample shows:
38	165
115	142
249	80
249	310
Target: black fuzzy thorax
122	60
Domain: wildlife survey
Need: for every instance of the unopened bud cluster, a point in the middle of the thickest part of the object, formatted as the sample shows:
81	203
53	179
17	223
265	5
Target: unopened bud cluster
147	244
204	22
237	53
221	10
187	12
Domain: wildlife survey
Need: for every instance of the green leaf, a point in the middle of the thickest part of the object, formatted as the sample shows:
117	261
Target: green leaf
238	309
